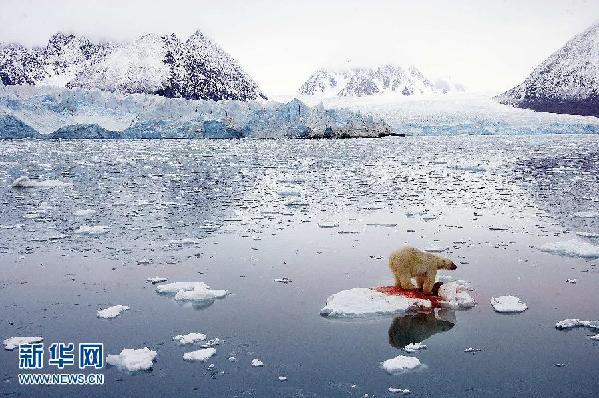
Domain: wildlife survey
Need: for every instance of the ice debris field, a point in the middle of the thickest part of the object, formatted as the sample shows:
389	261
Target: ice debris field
247	267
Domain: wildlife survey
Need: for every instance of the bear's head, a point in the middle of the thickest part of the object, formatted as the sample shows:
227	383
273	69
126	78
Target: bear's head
445	263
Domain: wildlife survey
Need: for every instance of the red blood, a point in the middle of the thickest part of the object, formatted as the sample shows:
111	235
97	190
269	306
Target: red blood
411	293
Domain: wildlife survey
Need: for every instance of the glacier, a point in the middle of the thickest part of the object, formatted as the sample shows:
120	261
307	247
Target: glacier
60	113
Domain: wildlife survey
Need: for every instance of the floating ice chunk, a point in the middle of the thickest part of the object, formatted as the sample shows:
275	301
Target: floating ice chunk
284	280
455	295
112	312
189	338
282	378
595	337
472	350
413	347
587	214
92	230
358	302
572	248
401	391
508	304
156	279
83	212
133	359
200	294
257	363
400	363
13	342
173	288
572	281
200	355
26	182
574	323
211	343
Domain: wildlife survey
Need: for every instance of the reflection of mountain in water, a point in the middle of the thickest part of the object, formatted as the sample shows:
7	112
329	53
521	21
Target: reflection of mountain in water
415	328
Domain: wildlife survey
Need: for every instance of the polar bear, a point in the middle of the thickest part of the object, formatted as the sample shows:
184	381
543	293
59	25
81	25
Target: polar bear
409	262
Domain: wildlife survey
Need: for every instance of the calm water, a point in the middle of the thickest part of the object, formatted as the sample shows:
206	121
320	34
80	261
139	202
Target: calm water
238	214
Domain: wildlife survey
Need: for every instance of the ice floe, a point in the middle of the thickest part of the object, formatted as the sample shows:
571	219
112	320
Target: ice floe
133	359
400	364
92	229
201	355
413	347
112	312
455	295
365	301
189	338
26	182
156	279
402	391
257	363
575	323
13	342
508	304
191	291
572	248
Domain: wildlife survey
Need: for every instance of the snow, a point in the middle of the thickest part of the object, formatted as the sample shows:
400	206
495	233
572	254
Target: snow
92	229
191	291
189	338
455	295
257	363
400	364
574	323
402	391
413	347
566	82
26	182
359	302
508	304
133	359
201	355
13	342
83	212
572	248
112	312
156	279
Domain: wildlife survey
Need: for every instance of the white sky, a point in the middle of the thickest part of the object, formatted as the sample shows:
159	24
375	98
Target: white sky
487	45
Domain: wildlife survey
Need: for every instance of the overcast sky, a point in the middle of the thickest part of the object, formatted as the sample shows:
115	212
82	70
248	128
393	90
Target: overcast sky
487	45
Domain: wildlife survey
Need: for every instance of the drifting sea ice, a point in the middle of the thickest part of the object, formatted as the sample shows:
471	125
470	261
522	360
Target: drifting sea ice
112	312
26	182
189	338
358	302
13	342
402	391
571	248
508	304
413	347
257	363
200	355
455	295
191	291
156	279
575	323
400	364
133	359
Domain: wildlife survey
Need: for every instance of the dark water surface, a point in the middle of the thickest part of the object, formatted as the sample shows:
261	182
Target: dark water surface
238	214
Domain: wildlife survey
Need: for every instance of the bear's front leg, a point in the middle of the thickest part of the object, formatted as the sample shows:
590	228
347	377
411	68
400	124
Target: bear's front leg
429	282
405	282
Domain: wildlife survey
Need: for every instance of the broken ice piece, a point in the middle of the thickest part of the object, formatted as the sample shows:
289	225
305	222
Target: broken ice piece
282	378
199	355
156	279
189	338
472	350
112	312
398	391
413	347
13	342
400	363
508	304
573	281
257	363
284	280
133	359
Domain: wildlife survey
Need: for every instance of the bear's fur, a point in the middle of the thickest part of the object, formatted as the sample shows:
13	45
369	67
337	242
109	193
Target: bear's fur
409	262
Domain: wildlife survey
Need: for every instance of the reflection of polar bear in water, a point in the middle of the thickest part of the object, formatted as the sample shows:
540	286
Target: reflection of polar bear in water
409	262
415	328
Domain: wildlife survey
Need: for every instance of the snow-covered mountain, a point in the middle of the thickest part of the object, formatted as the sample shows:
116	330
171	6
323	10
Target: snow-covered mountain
361	81
193	69
566	82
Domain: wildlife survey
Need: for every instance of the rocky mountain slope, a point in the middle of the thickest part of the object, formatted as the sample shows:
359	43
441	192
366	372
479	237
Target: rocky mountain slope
193	69
566	82
362	81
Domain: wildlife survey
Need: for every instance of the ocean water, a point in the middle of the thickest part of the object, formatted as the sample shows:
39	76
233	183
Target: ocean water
519	215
